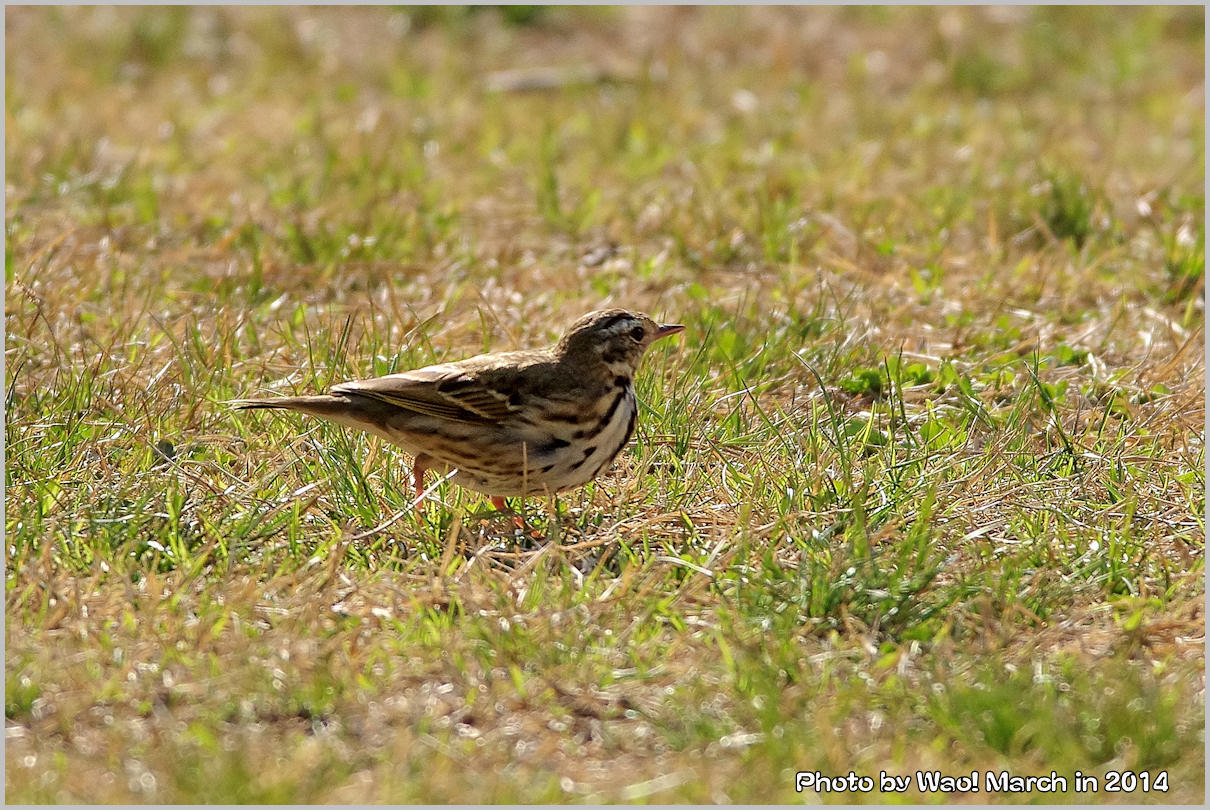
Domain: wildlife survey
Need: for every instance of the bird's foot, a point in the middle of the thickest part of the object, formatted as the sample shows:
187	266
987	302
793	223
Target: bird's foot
519	521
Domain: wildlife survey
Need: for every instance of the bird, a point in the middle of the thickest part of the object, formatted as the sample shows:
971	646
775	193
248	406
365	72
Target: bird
505	424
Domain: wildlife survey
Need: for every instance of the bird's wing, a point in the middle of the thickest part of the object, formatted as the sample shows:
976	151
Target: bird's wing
446	391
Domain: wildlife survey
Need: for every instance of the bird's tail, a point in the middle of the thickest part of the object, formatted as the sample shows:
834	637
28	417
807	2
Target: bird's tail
324	405
349	410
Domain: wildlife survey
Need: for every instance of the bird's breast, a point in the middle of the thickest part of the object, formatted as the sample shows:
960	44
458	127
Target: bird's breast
596	441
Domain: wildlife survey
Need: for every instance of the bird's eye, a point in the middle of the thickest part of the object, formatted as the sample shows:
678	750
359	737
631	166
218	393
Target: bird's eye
637	334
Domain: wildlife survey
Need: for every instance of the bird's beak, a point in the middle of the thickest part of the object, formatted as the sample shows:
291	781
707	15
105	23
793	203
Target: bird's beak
667	329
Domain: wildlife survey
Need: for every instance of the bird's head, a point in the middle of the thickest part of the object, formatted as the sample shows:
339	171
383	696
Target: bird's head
615	337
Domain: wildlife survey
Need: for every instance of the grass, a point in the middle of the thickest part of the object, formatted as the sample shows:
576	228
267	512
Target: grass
921	488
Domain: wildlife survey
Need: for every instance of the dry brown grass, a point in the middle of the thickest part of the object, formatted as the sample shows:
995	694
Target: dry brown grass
815	556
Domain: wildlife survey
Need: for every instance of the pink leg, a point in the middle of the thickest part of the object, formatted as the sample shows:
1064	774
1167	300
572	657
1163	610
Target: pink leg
418	470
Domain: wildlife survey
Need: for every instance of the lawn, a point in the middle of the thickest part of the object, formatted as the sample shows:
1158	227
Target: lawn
920	489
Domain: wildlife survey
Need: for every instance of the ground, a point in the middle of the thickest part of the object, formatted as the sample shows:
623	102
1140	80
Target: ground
921	488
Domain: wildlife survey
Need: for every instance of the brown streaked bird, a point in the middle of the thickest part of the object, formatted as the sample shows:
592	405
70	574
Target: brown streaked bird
509	423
